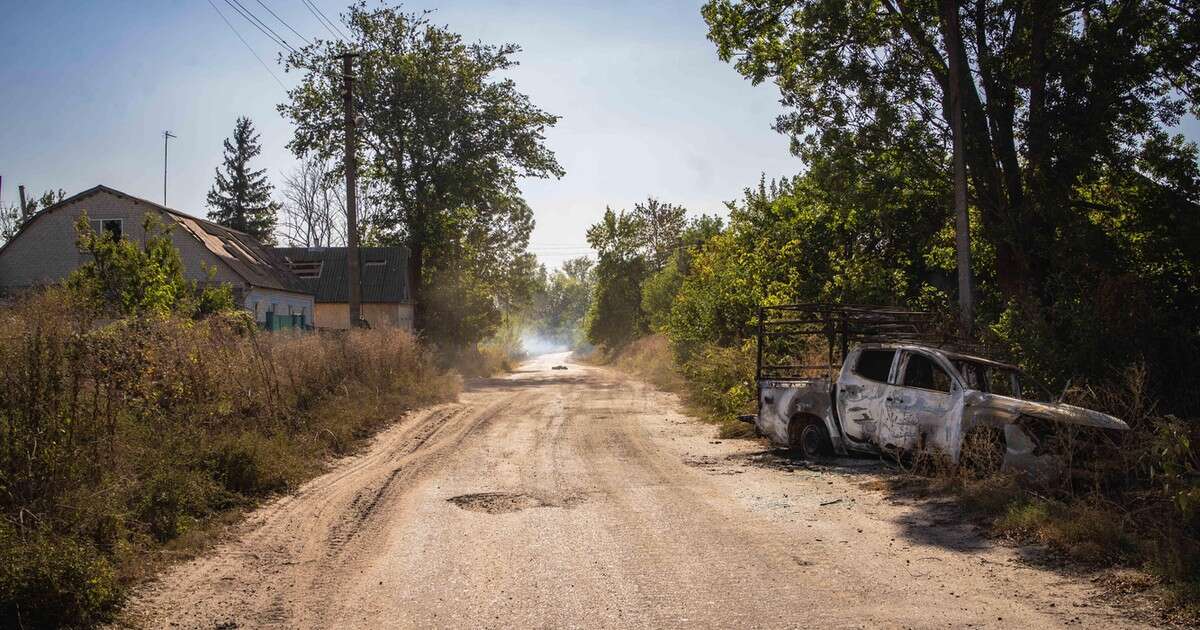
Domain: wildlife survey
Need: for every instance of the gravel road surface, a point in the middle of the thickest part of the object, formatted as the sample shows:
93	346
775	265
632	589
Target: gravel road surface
579	498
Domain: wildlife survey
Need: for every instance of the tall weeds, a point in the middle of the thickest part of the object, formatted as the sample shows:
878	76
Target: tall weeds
716	383
119	437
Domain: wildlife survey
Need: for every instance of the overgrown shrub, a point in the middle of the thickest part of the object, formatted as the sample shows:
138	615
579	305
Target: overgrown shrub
51	581
716	383
119	436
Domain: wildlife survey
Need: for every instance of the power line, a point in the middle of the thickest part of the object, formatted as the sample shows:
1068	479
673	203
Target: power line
325	21
281	21
259	24
331	22
247	45
253	15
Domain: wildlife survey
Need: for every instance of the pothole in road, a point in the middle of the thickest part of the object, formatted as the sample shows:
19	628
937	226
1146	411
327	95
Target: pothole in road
503	502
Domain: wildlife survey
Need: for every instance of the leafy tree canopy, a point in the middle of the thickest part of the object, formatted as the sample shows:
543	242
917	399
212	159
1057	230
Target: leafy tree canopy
445	135
125	279
1054	93
561	303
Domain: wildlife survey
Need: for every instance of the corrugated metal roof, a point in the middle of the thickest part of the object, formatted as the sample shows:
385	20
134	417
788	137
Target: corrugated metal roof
383	272
256	264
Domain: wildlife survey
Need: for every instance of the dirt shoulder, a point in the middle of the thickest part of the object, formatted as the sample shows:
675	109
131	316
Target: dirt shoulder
581	498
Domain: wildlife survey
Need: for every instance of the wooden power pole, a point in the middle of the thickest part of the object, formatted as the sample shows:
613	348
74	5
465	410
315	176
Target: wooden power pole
351	167
167	135
966	288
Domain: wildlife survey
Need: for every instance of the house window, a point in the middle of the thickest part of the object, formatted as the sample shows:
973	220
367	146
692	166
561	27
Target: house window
307	269
109	226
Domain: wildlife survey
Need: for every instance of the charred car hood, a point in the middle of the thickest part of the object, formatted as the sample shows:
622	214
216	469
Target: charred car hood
1013	408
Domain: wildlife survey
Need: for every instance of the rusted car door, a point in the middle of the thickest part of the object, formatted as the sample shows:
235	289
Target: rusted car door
862	388
922	406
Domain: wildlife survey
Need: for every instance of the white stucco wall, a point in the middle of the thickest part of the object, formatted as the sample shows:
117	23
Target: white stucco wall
261	301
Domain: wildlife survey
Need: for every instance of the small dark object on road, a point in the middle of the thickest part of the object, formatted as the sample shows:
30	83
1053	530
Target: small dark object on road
559	367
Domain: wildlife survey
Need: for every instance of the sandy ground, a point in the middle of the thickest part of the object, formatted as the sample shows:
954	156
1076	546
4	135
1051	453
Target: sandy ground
578	498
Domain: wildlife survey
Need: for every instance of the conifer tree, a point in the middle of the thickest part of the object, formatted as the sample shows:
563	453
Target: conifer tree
241	198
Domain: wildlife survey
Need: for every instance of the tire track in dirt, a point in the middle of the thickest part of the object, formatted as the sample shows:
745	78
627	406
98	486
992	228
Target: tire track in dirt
585	499
297	544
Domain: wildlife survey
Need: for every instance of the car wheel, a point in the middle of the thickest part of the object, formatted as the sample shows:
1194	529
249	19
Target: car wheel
811	440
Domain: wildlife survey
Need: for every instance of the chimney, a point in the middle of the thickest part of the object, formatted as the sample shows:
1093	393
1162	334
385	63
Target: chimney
24	207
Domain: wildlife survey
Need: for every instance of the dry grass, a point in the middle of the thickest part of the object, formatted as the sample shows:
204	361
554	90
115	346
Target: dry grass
126	441
714	386
650	359
1126	501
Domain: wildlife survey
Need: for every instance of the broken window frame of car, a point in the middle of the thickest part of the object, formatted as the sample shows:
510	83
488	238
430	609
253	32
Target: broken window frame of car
824	403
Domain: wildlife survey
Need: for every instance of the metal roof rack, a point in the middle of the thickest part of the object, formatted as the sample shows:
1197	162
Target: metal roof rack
788	330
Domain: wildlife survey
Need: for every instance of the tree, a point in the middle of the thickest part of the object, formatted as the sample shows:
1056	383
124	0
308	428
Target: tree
128	279
312	213
445	136
1053	93
660	289
631	247
615	316
12	217
562	303
1084	200
10	222
661	225
241	198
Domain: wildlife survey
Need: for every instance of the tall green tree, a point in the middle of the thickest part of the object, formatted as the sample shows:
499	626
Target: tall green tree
631	246
1054	93
661	226
241	197
445	133
615	315
659	290
562	303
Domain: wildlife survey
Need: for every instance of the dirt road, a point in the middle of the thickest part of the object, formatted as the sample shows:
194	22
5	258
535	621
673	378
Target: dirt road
577	498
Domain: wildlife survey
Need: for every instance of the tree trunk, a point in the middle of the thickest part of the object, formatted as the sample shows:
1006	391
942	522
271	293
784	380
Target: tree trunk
416	265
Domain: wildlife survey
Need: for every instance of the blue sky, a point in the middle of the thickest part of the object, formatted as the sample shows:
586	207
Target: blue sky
647	107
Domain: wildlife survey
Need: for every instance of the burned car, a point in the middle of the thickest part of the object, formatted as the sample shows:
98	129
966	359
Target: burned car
905	395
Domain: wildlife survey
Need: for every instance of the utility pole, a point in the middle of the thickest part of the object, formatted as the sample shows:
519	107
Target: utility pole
167	135
24	208
351	167
966	290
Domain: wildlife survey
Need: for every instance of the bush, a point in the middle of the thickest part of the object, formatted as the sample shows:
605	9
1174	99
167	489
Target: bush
253	465
49	581
171	500
119	437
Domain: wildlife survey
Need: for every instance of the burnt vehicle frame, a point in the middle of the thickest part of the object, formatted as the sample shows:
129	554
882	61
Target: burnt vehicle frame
890	380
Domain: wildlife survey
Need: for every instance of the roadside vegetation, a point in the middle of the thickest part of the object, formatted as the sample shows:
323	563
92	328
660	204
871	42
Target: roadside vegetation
139	412
1084	214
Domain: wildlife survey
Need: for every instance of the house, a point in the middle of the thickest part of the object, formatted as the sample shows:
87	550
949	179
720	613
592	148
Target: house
44	251
383	274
